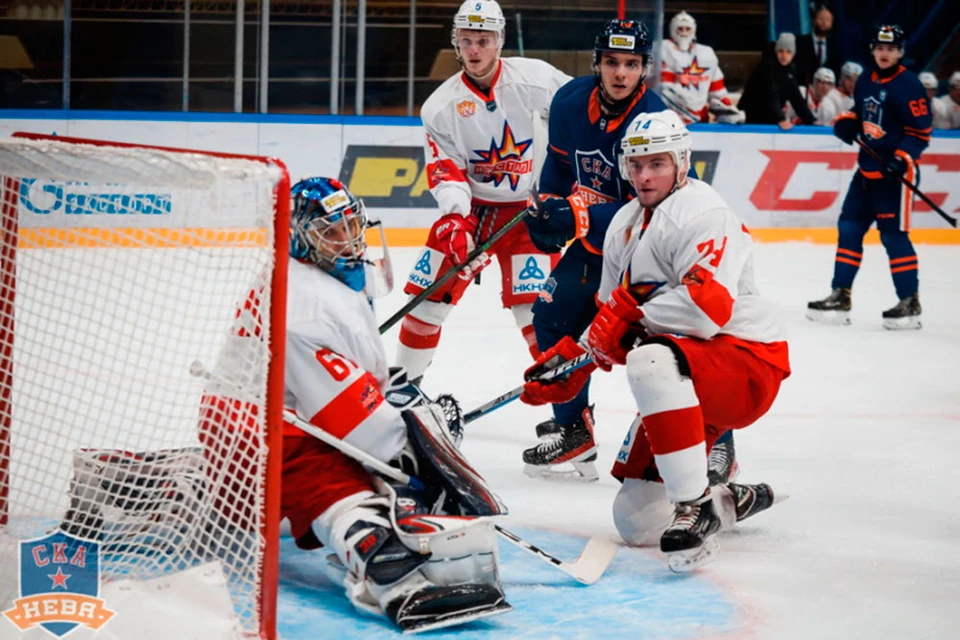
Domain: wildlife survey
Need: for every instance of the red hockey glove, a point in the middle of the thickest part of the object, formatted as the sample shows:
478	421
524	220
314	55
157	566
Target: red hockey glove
557	390
454	235
615	329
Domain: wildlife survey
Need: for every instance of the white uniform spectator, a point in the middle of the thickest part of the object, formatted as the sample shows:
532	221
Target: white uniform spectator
840	98
939	110
691	82
950	104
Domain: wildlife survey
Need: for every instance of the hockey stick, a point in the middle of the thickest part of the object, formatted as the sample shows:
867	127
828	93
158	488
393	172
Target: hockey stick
561	369
452	271
920	194
588	568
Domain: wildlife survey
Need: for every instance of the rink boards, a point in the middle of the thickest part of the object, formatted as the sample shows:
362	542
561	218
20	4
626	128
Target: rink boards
784	185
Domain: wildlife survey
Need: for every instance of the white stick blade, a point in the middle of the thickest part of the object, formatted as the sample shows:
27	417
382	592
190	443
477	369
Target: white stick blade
593	562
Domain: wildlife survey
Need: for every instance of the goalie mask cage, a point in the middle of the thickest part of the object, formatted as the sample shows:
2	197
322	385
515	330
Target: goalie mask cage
142	309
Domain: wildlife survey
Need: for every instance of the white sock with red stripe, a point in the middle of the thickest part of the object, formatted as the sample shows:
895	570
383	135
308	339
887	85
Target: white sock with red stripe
418	342
523	316
672	420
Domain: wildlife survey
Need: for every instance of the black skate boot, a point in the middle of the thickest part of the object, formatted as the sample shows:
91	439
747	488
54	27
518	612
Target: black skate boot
574	444
690	540
905	315
834	309
751	499
547	428
722	466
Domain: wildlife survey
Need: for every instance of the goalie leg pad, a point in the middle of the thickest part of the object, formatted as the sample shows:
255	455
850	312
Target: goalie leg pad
440	463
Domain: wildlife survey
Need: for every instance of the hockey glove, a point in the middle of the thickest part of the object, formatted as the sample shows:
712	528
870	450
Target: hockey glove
454	234
552	222
563	389
615	329
846	129
897	166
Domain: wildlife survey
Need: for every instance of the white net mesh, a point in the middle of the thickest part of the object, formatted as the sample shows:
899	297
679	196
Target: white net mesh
121	421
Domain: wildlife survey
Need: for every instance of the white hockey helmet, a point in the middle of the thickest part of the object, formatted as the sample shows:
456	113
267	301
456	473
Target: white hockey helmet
851	69
683	19
479	15
955	80
928	80
824	75
650	133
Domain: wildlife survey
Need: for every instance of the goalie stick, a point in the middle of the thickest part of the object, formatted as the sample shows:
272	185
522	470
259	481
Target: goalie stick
587	568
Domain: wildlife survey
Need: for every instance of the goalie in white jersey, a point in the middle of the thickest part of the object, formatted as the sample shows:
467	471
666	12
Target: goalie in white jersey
393	550
678	282
480	150
691	82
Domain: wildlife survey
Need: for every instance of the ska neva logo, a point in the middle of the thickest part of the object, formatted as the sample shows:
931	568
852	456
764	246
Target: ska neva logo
59	586
43	197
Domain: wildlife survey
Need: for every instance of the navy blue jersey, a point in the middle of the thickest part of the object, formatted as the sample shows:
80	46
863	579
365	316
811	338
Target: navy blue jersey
894	114
583	150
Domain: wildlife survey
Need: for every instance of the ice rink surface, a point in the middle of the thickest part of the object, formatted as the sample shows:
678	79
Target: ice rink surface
864	438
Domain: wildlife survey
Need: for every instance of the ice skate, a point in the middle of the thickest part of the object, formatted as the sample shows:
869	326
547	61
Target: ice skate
905	315
568	455
548	428
834	309
690	540
722	465
751	499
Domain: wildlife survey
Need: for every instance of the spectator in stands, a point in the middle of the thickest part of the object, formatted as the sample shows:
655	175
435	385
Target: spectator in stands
950	104
817	49
939	109
840	98
772	85
823	83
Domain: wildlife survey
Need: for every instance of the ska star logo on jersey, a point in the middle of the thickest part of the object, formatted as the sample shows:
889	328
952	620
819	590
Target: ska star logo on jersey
504	160
596	178
692	75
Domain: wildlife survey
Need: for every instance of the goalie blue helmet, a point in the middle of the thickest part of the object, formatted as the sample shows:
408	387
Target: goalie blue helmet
327	225
888	34
623	36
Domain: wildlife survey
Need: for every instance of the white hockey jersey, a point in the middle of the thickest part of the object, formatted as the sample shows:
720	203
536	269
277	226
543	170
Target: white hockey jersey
336	365
690	262
480	146
832	105
946	113
816	108
693	77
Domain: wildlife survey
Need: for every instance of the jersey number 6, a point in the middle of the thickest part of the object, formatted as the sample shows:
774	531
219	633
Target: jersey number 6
333	363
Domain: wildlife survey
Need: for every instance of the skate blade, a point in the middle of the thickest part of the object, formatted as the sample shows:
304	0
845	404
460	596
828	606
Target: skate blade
461	618
836	318
581	472
690	559
902	324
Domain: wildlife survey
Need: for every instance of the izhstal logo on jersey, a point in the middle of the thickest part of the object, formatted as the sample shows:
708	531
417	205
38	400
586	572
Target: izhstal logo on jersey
504	160
692	75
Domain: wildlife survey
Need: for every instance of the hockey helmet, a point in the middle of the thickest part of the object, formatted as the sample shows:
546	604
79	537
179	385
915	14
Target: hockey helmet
683	19
955	80
327	225
851	69
824	74
889	34
928	80
479	15
623	36
659	132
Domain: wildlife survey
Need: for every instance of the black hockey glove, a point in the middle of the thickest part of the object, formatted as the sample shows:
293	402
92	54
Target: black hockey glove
846	129
897	166
551	223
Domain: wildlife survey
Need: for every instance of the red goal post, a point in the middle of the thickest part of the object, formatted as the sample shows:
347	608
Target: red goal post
129	275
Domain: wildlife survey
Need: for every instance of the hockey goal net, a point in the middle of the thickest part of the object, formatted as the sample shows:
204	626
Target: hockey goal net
126	275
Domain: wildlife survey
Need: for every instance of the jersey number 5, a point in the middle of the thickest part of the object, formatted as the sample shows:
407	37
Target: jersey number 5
333	363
